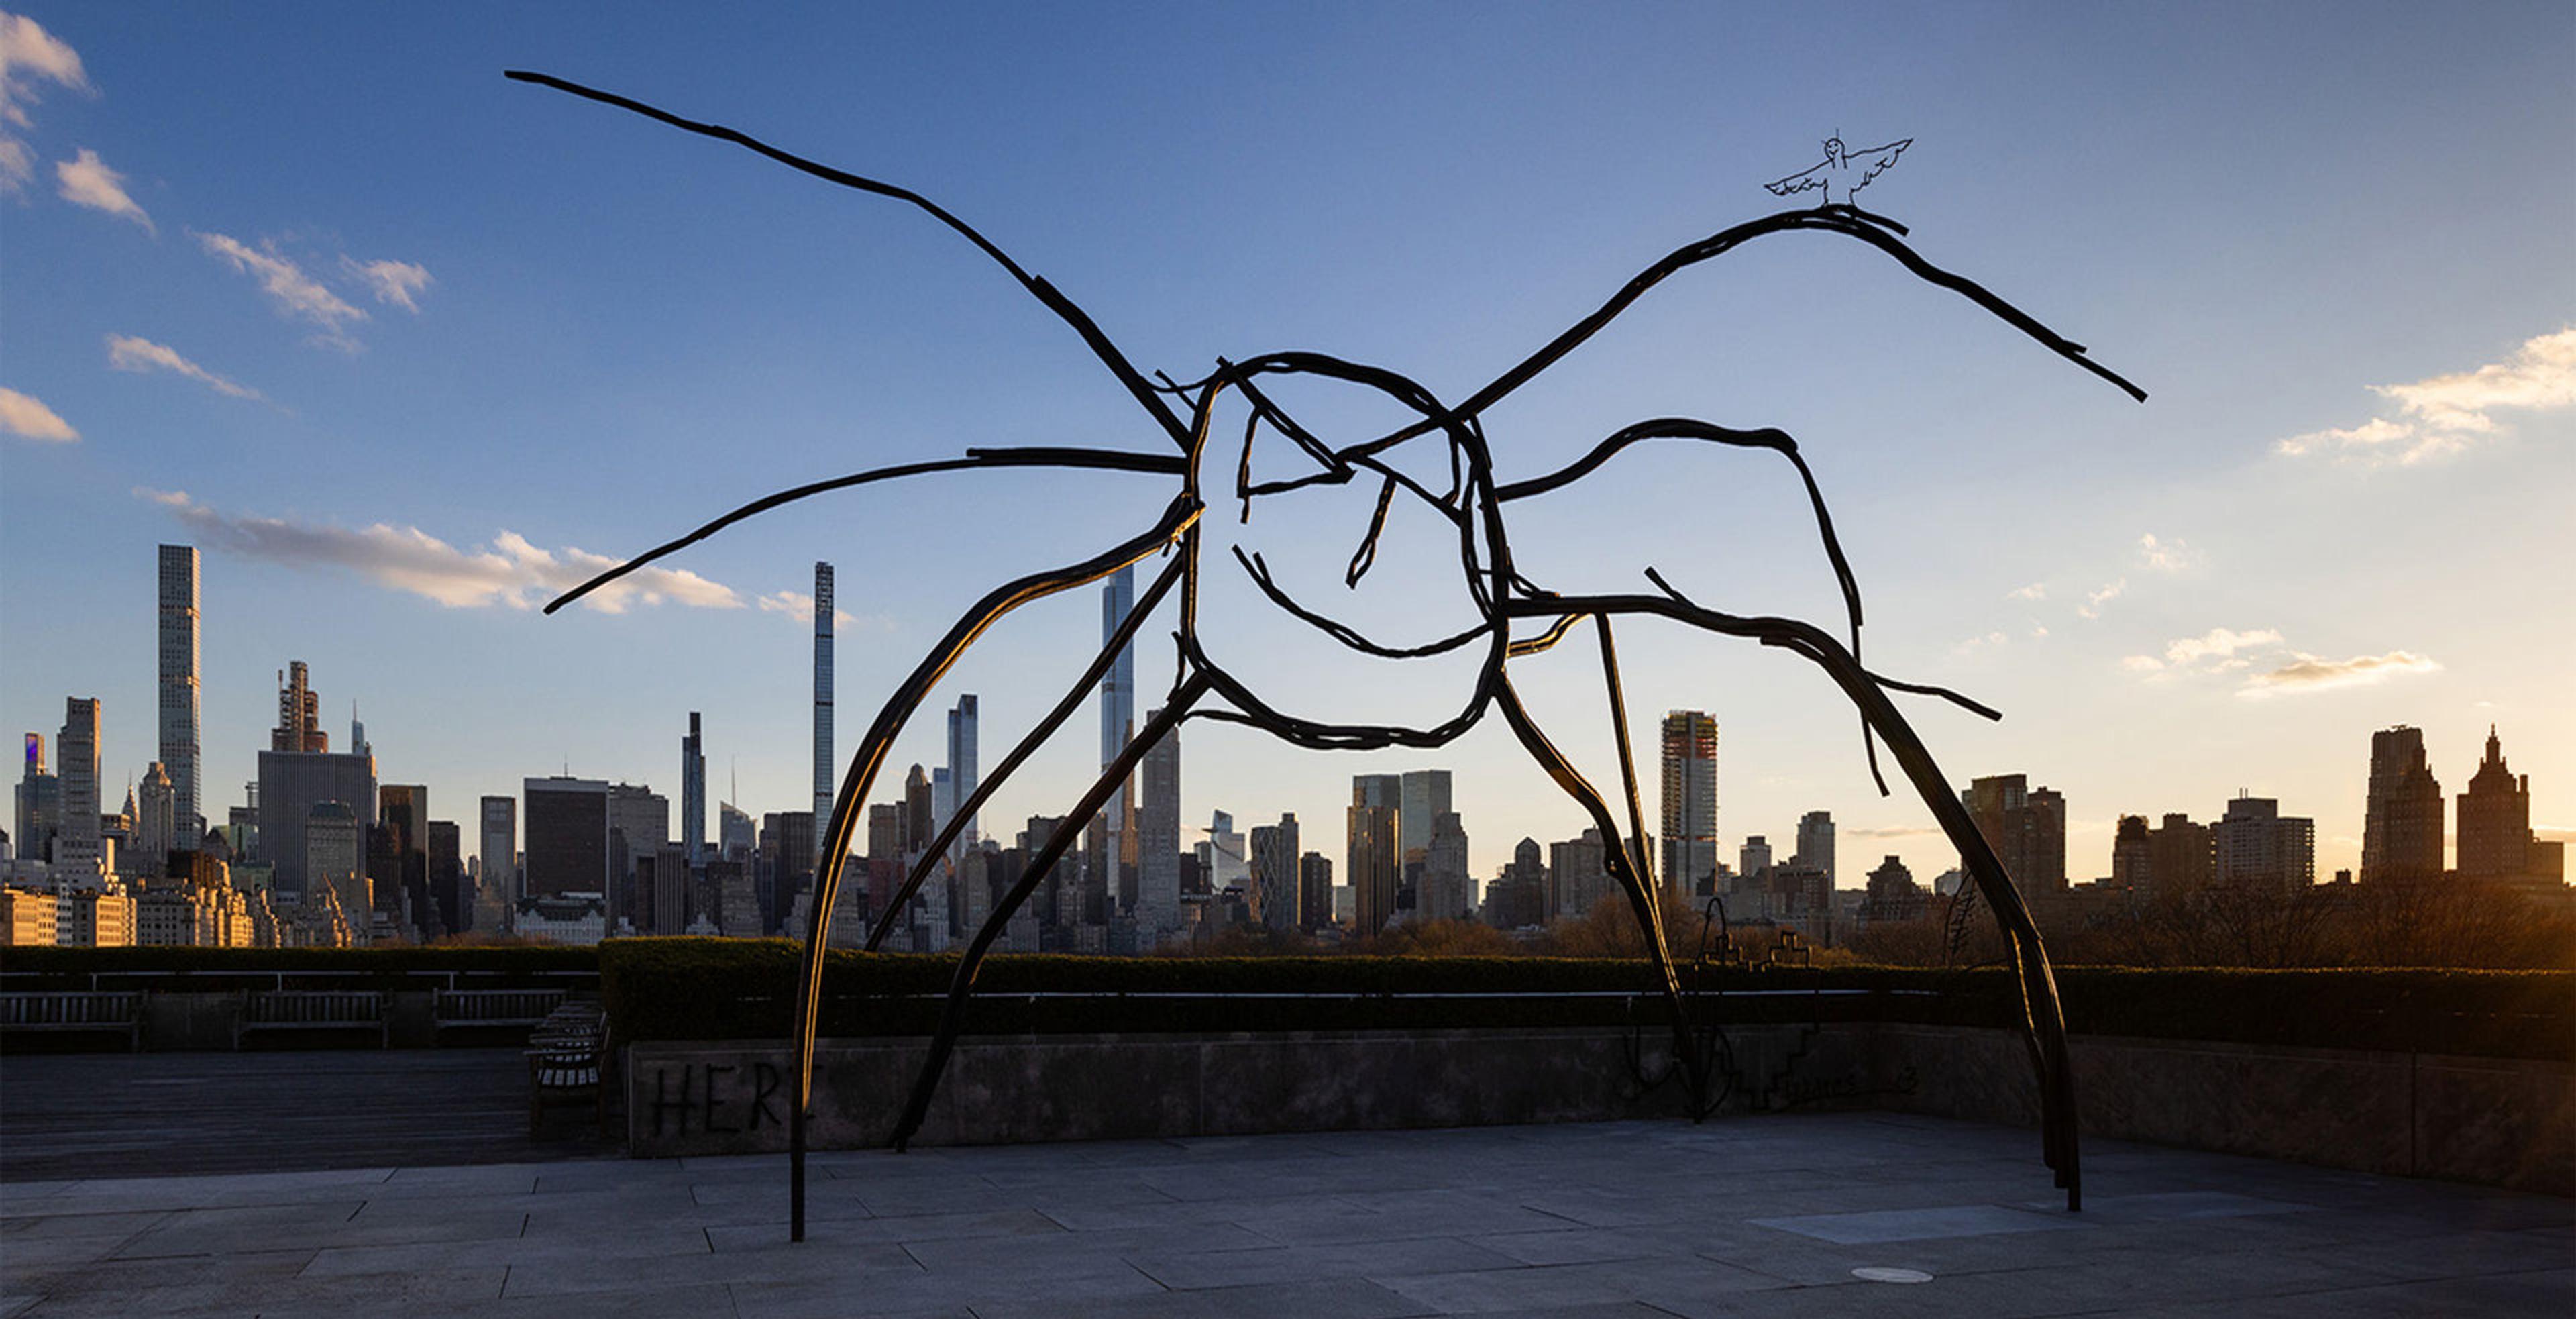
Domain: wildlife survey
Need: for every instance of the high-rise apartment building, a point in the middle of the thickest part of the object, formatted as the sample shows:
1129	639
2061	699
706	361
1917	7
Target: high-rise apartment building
737	836
500	851
402	811
2401	829
1446	892
1314	891
2025	826
1273	884
79	847
2181	857
1690	801
823	608
1753	857
180	704
2495	819
1816	843
693	795
1158	837
156	822
1422	798
1375	869
566	848
451	903
2256	846
330	863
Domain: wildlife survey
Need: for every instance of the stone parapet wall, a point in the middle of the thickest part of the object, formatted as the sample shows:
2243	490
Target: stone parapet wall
726	1098
2497	1121
2500	1122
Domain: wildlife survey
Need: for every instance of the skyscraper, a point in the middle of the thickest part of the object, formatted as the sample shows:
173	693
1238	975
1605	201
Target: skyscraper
822	703
1753	857
1816	843
297	773
1422	799
500	852
2401	831
156	822
40	805
77	842
2495	819
1446	892
2025	826
1273	885
962	734
1158	837
1372	834
693	795
2256	846
402	810
180	706
1690	800
567	837
1117	846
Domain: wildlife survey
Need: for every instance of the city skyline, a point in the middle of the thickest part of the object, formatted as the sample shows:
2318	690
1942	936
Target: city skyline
2164	615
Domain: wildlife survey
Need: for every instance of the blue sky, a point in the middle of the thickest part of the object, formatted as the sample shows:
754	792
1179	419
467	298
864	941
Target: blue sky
407	336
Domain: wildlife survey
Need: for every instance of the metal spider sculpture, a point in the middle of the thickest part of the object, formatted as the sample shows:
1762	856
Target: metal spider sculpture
1503	596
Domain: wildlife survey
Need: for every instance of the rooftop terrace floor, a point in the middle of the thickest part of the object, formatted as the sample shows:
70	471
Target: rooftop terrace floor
1747	1216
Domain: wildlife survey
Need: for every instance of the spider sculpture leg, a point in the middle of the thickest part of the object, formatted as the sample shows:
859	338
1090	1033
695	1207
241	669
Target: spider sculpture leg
898	709
2044	1020
953	1016
1643	900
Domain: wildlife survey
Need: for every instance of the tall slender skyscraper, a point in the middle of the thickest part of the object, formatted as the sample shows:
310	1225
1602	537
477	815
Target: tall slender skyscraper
1421	799
1690	800
822	704
1158	837
693	795
180	707
500	854
961	769
1117	724
2495	819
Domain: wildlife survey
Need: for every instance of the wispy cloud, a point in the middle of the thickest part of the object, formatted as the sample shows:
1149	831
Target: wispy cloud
294	292
1987	642
2218	643
2308	673
21	415
2094	600
127	353
2160	555
2034	591
2447	413
1892	831
87	181
510	572
393	282
28	55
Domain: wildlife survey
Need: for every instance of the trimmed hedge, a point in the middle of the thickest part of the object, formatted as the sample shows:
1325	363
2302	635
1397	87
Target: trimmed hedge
714	989
227	968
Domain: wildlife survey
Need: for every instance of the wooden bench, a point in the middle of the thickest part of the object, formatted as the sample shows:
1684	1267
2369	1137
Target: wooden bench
459	1009
77	1010
568	1059
310	1010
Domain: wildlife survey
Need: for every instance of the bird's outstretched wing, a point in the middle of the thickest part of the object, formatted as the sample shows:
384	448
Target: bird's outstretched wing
1874	161
1811	177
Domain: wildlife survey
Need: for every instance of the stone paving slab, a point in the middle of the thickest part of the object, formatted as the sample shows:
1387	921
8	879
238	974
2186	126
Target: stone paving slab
1744	1217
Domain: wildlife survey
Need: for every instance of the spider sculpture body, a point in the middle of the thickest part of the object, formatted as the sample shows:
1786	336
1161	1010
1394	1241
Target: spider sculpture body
1503	597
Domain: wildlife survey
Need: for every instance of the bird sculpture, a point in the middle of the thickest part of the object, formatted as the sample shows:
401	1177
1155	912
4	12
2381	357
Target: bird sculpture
1842	173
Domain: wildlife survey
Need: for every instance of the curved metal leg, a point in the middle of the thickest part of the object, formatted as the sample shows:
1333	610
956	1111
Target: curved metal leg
898	710
953	1016
1642	898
